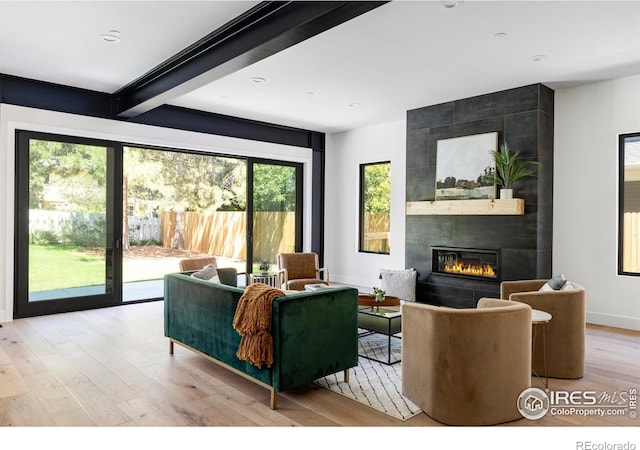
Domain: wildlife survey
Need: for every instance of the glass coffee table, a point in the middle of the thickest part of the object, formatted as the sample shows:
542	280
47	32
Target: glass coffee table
385	321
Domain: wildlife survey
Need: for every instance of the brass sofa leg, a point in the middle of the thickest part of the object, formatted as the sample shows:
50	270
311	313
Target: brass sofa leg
346	375
274	399
170	347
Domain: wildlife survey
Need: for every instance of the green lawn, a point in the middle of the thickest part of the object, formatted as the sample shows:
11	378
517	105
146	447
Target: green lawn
65	266
62	266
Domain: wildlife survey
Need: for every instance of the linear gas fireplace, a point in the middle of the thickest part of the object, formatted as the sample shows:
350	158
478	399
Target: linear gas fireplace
475	263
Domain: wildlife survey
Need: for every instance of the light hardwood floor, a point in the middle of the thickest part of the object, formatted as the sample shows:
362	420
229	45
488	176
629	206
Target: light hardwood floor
111	367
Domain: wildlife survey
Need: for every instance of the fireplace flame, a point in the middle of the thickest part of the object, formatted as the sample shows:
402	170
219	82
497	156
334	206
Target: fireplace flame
480	270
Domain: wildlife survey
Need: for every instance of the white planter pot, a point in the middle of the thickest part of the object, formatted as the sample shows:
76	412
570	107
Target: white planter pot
506	193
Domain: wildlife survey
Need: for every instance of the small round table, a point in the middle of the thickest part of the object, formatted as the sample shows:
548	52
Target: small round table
539	321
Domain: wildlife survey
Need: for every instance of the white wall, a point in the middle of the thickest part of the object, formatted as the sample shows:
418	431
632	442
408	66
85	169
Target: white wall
588	120
14	118
344	154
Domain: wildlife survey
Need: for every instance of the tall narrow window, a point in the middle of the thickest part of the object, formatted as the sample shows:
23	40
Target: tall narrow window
375	207
629	247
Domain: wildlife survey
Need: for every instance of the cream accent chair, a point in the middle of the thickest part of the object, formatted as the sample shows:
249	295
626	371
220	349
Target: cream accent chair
467	366
299	269
565	333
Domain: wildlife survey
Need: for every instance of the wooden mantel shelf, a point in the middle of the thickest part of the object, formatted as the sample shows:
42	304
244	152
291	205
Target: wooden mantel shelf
497	207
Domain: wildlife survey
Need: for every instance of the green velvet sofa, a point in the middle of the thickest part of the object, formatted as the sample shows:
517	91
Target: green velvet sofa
314	333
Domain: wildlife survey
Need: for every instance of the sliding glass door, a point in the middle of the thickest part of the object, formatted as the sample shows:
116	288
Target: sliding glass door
67	248
179	205
276	218
99	223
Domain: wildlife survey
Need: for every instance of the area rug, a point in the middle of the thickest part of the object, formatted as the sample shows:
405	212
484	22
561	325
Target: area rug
372	383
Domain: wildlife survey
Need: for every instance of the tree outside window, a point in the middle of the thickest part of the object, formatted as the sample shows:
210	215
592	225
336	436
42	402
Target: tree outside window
629	247
375	207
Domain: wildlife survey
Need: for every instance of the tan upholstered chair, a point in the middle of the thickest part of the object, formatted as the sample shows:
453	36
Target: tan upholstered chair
467	366
565	333
197	263
299	269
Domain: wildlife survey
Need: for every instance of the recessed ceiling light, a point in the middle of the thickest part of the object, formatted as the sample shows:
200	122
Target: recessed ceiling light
538	58
353	105
258	80
310	93
112	37
451	4
500	35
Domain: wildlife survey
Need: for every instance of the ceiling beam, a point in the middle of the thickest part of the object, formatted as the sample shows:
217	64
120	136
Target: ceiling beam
262	31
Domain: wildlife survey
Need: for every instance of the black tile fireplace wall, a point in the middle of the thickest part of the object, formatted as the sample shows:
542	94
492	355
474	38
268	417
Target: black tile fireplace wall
523	117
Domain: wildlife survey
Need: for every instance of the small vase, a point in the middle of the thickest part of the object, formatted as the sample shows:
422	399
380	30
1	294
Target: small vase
506	193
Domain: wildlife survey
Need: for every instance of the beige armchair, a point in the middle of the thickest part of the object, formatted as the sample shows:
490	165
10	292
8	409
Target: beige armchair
565	333
299	269
467	366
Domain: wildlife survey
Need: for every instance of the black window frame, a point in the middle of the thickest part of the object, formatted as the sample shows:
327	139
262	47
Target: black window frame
299	212
361	209
622	140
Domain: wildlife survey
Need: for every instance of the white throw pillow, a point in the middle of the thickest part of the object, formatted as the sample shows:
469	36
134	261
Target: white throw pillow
399	283
554	284
214	279
206	273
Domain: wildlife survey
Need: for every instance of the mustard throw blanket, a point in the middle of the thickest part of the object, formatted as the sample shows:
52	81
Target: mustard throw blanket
252	320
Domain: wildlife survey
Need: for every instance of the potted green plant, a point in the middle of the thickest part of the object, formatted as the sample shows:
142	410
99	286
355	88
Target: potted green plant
509	170
264	267
378	296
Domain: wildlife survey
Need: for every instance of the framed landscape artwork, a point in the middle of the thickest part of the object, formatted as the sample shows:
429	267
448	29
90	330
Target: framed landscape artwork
461	164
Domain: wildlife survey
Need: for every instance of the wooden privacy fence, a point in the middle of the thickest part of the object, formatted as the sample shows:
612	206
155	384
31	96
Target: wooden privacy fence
631	240
222	233
274	232
376	232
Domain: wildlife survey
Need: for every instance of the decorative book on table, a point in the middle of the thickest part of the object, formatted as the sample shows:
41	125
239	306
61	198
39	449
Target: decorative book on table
315	287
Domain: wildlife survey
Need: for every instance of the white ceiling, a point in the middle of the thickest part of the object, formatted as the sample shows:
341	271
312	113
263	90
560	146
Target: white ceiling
400	56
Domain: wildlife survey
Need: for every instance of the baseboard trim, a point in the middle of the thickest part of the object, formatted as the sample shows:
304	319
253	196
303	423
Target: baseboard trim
611	320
